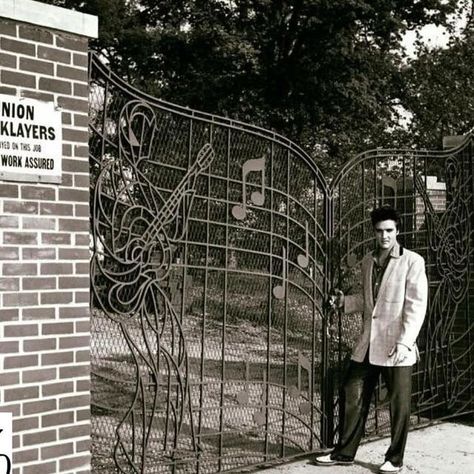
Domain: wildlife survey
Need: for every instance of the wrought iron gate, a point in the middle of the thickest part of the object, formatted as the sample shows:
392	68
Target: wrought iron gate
435	193
214	246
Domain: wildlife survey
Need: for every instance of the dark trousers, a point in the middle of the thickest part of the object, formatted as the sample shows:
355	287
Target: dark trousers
356	394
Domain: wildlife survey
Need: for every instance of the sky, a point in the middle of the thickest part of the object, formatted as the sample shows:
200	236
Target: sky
433	35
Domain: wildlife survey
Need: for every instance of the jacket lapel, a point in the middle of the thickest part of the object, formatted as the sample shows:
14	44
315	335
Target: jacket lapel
386	276
368	283
394	257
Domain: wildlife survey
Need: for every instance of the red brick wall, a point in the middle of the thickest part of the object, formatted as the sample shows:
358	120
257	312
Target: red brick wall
44	264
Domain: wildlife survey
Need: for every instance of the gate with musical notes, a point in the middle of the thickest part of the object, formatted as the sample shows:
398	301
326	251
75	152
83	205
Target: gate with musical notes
213	250
434	192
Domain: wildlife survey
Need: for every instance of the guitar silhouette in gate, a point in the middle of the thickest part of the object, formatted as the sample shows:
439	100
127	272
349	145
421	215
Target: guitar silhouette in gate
137	229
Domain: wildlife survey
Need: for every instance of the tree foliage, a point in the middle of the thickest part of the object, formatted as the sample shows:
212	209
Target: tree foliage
328	74
440	91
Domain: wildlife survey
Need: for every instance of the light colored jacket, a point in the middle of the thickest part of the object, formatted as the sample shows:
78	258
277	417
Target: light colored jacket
398	312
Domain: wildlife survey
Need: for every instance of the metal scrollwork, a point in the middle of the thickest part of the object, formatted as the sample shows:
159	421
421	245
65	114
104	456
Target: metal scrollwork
212	346
449	236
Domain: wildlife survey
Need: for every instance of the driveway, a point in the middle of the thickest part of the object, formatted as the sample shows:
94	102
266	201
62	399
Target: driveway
446	448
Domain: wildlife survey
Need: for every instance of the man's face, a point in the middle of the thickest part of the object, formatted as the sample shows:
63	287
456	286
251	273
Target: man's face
386	234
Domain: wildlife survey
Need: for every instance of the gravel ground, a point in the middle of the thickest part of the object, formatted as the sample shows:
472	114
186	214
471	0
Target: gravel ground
446	448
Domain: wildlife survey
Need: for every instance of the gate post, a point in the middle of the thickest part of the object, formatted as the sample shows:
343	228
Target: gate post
327	382
44	232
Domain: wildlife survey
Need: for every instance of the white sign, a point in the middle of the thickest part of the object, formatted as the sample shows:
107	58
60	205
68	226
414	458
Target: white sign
30	140
5	443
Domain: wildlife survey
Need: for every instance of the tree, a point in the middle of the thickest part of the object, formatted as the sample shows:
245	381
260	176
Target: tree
325	73
440	91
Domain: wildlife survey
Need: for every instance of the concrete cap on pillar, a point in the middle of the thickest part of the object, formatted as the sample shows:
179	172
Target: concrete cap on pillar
49	16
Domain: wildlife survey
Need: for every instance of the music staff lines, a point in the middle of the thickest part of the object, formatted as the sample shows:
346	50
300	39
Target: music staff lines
281	194
291	282
268	233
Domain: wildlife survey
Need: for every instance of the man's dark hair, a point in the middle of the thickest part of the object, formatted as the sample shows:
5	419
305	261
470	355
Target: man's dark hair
385	213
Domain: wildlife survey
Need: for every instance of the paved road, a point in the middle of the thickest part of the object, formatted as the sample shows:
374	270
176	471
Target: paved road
447	448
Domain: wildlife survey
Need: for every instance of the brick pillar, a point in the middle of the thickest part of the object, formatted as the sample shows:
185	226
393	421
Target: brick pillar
44	252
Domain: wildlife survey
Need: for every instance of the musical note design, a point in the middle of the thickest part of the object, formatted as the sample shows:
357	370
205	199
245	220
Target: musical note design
257	197
303	363
303	259
137	234
279	290
391	183
243	397
259	417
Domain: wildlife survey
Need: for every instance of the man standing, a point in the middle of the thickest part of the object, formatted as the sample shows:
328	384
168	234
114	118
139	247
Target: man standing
393	301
